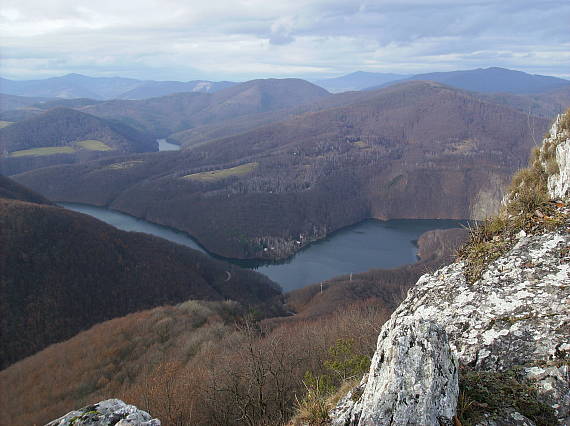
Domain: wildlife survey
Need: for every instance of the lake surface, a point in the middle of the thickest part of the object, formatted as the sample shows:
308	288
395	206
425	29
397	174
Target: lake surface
163	145
367	245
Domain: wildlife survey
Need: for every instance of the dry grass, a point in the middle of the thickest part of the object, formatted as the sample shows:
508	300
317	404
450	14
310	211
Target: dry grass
194	363
47	150
108	360
565	122
491	392
215	175
528	208
93	145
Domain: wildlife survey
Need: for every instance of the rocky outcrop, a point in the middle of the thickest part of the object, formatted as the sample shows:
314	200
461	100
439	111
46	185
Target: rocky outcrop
414	380
559	140
516	315
107	413
512	320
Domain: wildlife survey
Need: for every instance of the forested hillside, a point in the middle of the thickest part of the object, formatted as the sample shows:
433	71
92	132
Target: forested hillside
165	115
63	135
268	192
63	126
63	272
206	363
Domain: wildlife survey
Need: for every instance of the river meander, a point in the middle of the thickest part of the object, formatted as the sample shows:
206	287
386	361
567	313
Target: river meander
358	248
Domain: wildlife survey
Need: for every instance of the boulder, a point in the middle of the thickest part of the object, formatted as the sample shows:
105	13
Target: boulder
413	379
107	413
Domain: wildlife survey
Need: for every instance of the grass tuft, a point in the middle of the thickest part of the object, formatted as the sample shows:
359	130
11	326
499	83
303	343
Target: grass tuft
528	208
484	392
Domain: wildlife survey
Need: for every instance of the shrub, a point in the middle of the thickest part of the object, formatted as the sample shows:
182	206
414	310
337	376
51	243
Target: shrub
491	392
344	368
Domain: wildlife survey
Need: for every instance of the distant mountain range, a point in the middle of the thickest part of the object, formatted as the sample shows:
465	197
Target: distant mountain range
72	86
80	86
153	89
492	80
168	114
412	150
357	81
484	80
76	130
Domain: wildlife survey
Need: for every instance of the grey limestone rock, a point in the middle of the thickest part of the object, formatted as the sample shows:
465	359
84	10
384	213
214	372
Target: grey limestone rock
517	315
413	380
559	183
111	412
508	417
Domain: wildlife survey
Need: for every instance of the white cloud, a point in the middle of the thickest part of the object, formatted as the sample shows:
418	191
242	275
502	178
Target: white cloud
240	39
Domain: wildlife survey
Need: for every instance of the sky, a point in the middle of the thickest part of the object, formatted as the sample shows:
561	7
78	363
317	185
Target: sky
244	39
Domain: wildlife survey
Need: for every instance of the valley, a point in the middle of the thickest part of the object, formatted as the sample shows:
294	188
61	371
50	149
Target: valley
214	252
280	213
358	248
63	271
382	155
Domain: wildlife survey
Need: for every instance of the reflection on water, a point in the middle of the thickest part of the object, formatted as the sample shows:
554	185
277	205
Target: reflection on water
369	244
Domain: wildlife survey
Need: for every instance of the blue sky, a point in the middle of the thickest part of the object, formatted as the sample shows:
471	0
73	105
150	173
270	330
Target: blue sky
244	39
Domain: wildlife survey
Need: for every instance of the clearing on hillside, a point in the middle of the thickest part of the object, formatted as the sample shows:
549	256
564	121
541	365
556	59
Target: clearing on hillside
93	145
214	175
46	150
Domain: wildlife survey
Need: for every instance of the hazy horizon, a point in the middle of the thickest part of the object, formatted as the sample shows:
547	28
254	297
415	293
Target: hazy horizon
310	39
93	75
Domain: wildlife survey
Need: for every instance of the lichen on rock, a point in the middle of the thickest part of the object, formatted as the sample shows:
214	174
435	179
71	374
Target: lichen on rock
559	140
512	315
106	413
413	380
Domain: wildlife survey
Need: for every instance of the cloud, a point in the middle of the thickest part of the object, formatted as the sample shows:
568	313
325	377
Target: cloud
281	31
241	39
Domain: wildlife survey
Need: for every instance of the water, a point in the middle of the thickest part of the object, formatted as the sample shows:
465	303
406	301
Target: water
167	146
367	245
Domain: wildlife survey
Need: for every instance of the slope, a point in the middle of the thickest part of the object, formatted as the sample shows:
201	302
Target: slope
271	191
199	348
70	86
11	102
165	115
63	126
11	190
63	272
153	89
357	81
63	135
